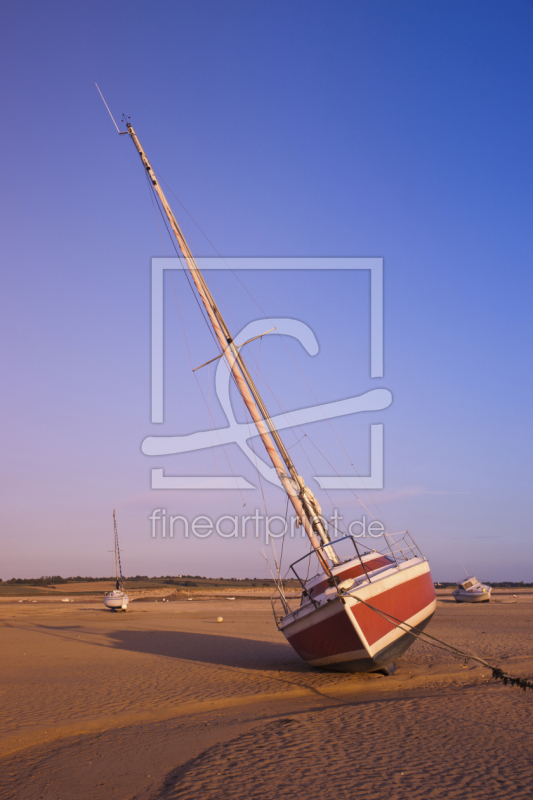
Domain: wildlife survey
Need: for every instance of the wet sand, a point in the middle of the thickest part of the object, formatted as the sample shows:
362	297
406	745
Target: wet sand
164	702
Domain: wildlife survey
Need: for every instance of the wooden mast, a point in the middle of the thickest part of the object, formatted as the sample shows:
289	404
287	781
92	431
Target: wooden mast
300	496
116	547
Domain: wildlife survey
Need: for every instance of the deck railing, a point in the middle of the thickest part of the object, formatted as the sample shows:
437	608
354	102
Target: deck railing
400	547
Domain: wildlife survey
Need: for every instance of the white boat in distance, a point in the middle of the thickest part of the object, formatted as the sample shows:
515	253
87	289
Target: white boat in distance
356	614
117	599
472	591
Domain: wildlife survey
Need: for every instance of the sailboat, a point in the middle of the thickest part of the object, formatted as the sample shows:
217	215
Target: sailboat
117	599
357	614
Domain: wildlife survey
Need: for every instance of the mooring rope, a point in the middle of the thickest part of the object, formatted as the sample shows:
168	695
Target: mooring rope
497	673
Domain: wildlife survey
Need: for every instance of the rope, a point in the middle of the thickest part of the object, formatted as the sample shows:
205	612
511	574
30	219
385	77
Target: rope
497	673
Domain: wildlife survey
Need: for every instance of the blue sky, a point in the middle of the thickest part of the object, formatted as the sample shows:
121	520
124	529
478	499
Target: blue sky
398	130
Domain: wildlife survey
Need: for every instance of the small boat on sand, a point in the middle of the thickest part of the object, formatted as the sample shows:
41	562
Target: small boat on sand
117	600
472	591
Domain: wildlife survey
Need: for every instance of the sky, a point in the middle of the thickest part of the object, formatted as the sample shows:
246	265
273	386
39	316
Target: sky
399	131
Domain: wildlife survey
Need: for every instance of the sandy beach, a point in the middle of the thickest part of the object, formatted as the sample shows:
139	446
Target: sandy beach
164	702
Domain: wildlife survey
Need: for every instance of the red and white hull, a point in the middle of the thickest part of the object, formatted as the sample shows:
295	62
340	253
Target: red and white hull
342	633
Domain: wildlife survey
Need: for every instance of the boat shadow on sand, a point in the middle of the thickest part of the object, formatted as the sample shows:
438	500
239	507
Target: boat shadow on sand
210	648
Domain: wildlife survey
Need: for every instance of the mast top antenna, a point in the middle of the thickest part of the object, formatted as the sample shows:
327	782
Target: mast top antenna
120	133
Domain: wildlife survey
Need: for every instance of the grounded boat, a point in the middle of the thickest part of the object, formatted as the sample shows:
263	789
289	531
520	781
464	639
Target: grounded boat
348	620
355	614
117	600
472	591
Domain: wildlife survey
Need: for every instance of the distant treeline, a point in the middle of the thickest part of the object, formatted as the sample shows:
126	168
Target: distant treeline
190	581
50	580
494	584
180	580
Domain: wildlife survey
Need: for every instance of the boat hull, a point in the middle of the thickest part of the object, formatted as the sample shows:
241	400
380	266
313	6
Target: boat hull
116	601
346	635
471	597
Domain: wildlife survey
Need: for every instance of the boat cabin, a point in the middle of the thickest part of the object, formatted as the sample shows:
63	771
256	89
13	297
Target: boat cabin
468	583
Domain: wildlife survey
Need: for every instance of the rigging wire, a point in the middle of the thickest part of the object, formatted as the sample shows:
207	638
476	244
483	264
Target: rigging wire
207	403
283	539
265	383
289	414
185	270
258	371
299	370
211	423
213	287
350	462
267	530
